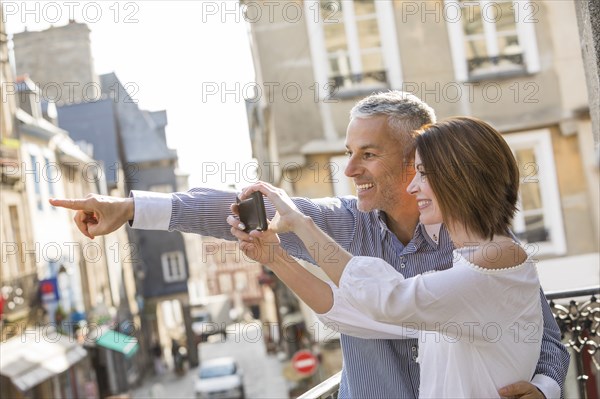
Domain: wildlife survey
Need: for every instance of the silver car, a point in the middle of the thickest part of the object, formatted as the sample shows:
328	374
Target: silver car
220	378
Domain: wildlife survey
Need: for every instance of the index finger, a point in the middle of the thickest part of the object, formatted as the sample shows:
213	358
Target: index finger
75	204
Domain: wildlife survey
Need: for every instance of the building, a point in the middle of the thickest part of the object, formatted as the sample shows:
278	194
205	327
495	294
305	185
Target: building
515	64
95	279
19	302
131	143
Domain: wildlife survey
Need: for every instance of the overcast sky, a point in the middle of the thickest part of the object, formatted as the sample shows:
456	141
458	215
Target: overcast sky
180	56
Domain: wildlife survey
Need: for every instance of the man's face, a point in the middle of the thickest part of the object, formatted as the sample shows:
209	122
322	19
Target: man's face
375	166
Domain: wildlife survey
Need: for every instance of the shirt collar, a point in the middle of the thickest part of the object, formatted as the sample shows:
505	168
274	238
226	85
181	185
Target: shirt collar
431	232
382	218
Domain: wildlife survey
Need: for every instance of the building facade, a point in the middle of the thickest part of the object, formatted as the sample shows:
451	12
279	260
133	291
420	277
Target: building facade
18	278
509	63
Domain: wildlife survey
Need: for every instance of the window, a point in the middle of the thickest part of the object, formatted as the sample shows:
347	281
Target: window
342	185
225	283
539	219
13	265
353	44
36	182
241	281
173	267
491	38
49	168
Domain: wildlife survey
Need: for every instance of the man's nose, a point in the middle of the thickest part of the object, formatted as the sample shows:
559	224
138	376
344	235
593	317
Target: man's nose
352	168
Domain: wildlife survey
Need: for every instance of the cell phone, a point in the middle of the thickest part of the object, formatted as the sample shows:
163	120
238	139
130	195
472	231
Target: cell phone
252	212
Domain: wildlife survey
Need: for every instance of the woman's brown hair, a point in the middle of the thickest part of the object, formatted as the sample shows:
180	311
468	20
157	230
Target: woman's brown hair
472	172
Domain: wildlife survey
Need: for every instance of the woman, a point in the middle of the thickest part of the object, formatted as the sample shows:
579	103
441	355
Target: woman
480	321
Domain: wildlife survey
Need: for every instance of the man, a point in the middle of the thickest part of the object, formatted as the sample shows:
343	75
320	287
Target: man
381	222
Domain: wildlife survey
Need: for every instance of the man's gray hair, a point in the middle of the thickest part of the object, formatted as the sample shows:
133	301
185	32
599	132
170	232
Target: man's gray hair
406	112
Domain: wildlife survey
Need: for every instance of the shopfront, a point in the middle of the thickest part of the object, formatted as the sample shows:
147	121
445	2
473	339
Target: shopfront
44	363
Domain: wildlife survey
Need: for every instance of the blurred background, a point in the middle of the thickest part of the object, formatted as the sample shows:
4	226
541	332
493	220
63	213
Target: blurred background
108	97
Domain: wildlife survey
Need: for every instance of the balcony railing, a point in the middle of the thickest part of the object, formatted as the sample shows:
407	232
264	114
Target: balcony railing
328	389
352	80
481	62
578	323
20	295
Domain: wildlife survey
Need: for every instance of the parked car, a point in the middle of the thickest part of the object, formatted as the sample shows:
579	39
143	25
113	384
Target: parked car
220	378
211	316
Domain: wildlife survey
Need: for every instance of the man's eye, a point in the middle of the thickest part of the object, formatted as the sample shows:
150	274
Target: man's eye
348	154
368	155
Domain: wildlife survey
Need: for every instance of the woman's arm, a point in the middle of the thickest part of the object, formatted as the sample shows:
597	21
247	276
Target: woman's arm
328	254
332	308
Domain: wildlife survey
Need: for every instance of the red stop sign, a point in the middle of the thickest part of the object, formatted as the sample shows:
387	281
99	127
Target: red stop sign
304	362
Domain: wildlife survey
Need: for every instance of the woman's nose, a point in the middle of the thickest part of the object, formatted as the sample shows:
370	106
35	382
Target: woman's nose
413	186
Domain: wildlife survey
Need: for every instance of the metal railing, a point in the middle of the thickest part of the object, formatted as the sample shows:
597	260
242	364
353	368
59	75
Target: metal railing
328	389
477	62
20	295
340	81
578	323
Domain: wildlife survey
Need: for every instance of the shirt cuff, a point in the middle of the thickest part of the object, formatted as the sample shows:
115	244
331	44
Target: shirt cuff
152	211
547	385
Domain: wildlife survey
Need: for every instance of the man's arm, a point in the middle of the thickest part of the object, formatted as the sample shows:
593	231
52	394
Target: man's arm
203	211
553	364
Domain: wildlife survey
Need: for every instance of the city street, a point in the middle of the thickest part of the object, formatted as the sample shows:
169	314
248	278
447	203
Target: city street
262	373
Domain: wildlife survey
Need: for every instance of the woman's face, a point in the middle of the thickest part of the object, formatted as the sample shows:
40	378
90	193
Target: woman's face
426	200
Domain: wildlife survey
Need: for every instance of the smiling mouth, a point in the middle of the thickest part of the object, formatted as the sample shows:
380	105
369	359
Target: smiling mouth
363	187
423	203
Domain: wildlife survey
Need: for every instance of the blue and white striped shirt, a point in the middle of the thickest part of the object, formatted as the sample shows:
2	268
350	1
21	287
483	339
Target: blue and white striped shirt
373	368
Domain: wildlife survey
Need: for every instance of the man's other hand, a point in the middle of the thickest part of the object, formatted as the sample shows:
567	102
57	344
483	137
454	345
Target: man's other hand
521	389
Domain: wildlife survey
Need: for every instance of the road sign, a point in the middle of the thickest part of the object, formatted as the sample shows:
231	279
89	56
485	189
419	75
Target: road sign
304	362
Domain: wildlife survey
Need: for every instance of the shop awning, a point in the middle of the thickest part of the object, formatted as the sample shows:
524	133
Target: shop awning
118	342
36	355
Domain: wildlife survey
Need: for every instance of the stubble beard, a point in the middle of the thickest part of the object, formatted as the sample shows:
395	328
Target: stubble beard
384	201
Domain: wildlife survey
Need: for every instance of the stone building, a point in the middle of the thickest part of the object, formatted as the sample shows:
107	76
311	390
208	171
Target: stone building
18	278
75	79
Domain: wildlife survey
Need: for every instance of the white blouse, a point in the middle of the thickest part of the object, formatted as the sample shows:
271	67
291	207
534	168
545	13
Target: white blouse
478	329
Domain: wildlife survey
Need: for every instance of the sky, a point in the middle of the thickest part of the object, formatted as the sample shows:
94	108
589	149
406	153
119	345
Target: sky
191	58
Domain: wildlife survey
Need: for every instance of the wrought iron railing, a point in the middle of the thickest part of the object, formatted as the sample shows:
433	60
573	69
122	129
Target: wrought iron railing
477	62
341	81
20	295
578	323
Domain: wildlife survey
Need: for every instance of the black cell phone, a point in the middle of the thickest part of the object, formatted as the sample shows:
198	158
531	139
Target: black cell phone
252	212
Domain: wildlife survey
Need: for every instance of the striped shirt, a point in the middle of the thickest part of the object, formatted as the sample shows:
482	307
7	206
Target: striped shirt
373	368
